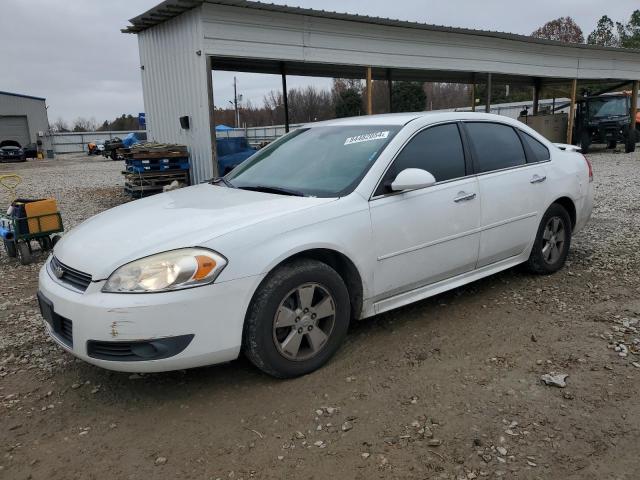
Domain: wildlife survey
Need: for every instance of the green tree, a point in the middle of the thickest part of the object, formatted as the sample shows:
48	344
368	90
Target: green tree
629	33
348	103
604	34
408	97
563	29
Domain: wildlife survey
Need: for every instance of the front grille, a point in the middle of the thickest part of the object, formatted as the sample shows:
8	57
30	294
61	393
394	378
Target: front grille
70	276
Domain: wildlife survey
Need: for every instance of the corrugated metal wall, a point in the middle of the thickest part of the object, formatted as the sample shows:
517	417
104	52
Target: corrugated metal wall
34	109
174	85
76	142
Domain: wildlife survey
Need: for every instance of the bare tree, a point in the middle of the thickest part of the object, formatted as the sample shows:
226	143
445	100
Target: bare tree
60	125
563	29
82	124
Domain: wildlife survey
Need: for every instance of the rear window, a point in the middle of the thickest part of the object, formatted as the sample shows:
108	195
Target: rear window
496	146
539	151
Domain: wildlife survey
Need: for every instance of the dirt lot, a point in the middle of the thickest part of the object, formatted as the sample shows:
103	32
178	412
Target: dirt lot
446	388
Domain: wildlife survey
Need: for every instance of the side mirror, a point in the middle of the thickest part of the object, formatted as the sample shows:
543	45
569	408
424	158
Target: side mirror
412	179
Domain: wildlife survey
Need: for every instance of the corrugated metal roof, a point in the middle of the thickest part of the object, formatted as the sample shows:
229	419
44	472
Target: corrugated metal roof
172	8
22	95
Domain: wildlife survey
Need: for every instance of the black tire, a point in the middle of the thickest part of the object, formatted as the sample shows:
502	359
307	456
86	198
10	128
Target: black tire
114	155
24	253
260	335
46	244
585	142
630	142
55	239
10	248
540	262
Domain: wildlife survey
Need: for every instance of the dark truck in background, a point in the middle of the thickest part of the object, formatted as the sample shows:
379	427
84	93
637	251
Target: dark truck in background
605	119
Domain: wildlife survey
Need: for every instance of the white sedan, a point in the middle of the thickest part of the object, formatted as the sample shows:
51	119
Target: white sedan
334	222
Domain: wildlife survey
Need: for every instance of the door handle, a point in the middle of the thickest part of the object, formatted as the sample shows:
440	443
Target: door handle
537	179
464	197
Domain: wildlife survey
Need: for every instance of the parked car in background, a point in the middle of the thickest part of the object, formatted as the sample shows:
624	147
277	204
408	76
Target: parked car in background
334	222
30	150
605	119
11	151
95	148
232	151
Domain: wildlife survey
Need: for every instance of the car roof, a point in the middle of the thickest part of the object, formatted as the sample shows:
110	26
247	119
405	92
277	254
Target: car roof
401	119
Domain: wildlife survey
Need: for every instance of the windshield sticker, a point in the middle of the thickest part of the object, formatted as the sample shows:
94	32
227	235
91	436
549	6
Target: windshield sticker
367	137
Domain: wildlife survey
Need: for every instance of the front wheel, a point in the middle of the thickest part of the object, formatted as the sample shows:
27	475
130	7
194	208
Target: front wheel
10	248
552	243
297	320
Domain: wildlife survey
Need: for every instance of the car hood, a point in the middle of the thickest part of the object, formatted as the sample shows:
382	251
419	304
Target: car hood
183	218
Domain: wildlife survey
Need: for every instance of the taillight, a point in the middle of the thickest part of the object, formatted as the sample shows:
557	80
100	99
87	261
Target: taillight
589	167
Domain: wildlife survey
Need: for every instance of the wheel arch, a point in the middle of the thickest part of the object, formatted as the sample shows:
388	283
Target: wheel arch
341	263
569	205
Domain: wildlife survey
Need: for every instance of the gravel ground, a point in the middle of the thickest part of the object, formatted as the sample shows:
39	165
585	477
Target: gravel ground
446	388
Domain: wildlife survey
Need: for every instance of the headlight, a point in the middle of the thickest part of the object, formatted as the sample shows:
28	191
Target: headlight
173	270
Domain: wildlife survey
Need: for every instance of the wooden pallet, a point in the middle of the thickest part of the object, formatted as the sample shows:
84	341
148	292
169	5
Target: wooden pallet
159	179
151	155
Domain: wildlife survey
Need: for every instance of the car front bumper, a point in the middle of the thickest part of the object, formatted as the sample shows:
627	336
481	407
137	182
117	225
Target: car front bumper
213	315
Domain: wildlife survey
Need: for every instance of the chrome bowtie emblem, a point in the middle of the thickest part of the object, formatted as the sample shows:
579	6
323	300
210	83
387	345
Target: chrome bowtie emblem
57	271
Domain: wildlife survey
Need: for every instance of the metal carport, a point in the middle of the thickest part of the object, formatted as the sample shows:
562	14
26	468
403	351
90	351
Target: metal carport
182	41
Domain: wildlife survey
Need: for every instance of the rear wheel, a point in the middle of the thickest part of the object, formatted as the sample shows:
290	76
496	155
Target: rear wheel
24	253
630	141
552	243
585	141
297	320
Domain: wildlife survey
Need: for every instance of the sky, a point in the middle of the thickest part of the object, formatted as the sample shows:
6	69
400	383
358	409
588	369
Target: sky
72	52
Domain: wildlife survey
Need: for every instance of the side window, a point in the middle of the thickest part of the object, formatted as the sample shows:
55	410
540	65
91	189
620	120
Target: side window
436	149
540	152
496	146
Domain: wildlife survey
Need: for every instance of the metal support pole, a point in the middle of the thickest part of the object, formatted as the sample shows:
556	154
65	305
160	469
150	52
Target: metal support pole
634	105
487	106
572	110
537	87
212	123
369	92
473	92
285	97
390	87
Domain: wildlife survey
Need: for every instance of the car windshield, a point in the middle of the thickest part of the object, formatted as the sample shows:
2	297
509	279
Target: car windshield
608	107
319	161
10	147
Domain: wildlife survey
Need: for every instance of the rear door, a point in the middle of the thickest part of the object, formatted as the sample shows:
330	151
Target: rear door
513	189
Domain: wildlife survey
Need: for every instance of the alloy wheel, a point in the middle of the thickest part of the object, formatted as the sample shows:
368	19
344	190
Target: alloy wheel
553	238
304	322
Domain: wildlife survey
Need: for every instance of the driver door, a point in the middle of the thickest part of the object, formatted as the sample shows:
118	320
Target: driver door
431	234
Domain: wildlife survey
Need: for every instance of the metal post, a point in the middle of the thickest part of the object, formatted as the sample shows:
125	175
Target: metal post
212	123
487	106
390	87
572	110
285	99
369	92
537	87
473	92
634	105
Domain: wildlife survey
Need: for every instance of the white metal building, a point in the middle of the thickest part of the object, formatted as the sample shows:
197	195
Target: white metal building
23	118
182	41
